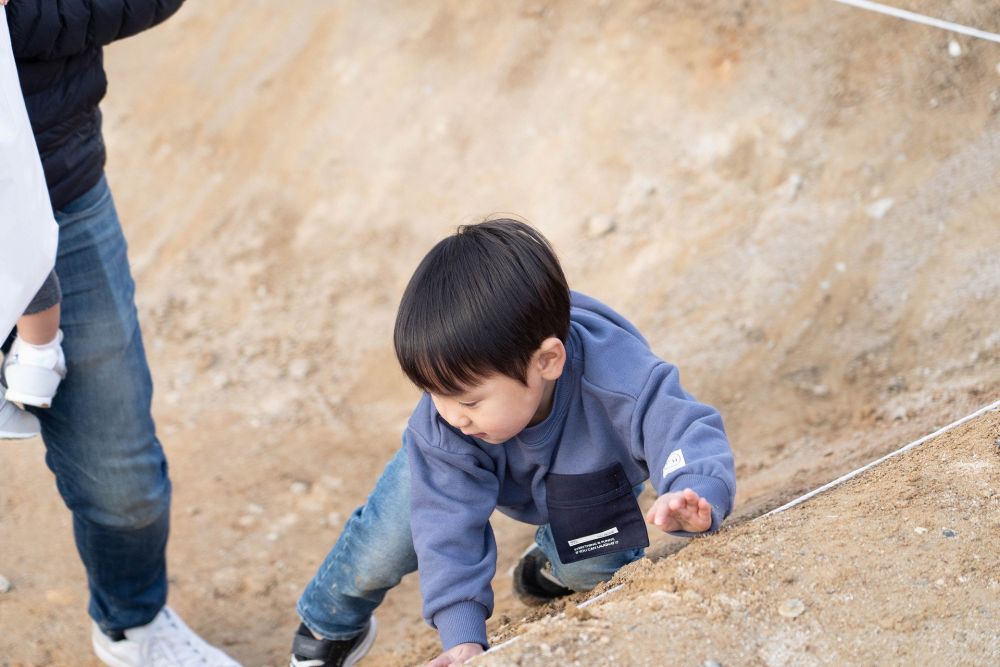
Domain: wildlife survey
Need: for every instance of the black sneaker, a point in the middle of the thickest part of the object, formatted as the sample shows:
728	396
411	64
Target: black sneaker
534	582
307	651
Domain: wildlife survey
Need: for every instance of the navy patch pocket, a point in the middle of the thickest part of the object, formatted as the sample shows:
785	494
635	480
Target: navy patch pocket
593	514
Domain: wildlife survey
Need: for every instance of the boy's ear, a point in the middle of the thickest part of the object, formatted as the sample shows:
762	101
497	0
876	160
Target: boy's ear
551	357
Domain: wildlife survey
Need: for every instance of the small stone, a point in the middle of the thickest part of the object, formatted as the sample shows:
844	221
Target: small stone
220	379
878	208
948	532
600	225
711	663
790	188
692	596
299	488
579	614
259	583
59	596
791	608
299	369
330	482
954	49
227	582
4	584
920	530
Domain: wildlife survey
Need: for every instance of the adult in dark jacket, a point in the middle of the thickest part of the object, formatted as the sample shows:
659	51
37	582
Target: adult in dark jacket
99	434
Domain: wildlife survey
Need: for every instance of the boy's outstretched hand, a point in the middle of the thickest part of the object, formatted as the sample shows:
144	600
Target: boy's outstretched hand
456	655
681	510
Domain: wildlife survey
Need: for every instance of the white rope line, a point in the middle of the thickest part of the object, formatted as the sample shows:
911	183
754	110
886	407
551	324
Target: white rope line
587	603
844	478
920	18
944	429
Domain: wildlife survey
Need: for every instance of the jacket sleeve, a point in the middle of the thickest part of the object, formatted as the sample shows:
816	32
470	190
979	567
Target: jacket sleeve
683	443
49	30
453	496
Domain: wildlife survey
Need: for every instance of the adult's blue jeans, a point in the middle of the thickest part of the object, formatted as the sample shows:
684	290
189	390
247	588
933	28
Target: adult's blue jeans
99	434
375	551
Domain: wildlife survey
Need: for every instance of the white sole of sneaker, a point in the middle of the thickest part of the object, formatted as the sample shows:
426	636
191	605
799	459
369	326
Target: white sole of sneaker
28	399
107	658
4	435
362	649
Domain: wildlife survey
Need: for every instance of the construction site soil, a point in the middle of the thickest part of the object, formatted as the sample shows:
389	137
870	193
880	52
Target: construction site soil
796	202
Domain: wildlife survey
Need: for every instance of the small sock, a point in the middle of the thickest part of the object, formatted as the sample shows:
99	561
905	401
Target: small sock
306	632
44	347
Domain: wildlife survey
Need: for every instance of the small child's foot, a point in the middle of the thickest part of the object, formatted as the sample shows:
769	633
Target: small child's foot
16	424
307	651
33	372
534	582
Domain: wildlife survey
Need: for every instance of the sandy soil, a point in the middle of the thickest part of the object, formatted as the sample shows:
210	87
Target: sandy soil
889	568
795	201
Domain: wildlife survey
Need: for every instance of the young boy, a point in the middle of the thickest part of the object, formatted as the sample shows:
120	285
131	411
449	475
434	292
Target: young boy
539	402
35	365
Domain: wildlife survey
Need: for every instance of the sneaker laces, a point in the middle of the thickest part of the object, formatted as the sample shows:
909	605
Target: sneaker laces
185	648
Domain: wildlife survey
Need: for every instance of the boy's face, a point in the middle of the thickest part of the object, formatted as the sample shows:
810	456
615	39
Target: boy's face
499	407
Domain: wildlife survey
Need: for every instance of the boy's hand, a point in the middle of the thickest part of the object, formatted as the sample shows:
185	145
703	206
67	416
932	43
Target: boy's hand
681	510
456	655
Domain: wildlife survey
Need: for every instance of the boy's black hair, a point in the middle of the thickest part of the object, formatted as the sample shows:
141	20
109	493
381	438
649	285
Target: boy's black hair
481	302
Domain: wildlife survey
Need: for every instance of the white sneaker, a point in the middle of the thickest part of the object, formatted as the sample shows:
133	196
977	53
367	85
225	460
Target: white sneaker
16	424
166	642
33	372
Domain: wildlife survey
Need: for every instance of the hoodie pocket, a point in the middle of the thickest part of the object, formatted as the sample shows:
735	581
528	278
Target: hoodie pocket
593	514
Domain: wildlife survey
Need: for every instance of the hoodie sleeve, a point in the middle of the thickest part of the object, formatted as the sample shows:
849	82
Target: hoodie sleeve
683	443
49	30
453	496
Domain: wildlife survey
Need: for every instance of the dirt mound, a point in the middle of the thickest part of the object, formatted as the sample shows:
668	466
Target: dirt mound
888	568
794	201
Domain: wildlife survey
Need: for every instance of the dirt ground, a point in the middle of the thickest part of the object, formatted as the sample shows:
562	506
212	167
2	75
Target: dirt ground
891	568
794	201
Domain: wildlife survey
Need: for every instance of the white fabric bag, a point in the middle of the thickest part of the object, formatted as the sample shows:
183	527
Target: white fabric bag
28	232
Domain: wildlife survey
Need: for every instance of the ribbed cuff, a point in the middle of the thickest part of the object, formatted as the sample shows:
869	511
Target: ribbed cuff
462	622
712	489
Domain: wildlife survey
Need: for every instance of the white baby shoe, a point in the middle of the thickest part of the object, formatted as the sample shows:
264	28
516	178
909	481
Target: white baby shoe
16	424
33	372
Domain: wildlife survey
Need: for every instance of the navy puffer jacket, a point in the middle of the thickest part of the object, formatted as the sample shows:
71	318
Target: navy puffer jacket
58	47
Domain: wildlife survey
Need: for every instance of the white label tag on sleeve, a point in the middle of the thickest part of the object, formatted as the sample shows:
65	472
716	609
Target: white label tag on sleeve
674	462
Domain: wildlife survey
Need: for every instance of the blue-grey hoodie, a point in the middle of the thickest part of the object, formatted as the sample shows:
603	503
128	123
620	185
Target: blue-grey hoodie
615	401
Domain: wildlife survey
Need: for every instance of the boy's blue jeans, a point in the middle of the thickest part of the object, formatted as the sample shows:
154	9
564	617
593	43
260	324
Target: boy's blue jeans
99	435
375	551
